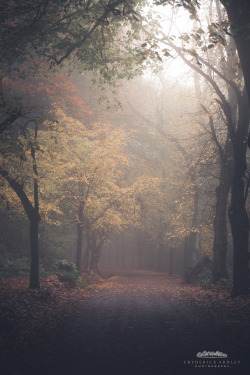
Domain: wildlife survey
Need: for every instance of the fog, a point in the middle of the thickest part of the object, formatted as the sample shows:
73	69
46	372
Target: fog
124	172
124	187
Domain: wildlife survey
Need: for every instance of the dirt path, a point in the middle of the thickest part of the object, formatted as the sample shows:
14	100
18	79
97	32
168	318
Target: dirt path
139	326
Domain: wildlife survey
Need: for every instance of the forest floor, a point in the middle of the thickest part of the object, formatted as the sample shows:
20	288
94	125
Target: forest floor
122	325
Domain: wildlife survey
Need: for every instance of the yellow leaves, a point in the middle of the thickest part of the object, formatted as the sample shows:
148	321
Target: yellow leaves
86	164
147	184
49	207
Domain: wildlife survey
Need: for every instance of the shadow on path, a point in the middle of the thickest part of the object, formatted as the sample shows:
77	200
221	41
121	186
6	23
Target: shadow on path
139	325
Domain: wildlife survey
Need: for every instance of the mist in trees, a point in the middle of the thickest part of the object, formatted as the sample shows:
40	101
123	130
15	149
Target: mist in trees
124	139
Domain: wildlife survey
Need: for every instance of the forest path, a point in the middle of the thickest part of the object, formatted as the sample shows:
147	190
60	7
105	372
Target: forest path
139	325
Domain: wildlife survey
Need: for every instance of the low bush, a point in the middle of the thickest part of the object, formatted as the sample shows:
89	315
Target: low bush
66	271
224	284
205	278
87	278
12	266
206	281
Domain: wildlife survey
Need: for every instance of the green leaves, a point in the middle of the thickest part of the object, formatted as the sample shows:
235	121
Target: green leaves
62	30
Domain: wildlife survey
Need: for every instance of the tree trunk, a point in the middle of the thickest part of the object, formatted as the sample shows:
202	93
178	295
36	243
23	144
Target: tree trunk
226	167
32	214
171	261
186	268
140	248
79	246
95	252
160	266
34	222
220	221
194	273
94	261
123	250
239	16
34	266
192	242
34	219
79	237
88	252
93	258
237	212
220	236
240	227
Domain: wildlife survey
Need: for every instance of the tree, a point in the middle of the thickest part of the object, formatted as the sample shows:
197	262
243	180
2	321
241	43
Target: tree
238	133
181	224
58	30
238	12
239	16
91	183
23	143
97	36
222	193
34	90
27	145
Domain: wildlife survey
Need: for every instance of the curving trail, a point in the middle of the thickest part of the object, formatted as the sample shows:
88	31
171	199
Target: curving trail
139	325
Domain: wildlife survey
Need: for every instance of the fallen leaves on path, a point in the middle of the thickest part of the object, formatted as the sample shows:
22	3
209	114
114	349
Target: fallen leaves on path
23	310
151	310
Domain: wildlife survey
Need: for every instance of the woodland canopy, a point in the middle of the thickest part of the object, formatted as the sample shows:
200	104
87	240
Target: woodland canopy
124	138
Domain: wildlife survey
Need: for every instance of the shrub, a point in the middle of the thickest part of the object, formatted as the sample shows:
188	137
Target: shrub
206	281
205	278
66	271
12	266
225	284
88	278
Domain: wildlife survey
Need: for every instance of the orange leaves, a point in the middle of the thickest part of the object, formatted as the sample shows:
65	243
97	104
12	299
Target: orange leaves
36	85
